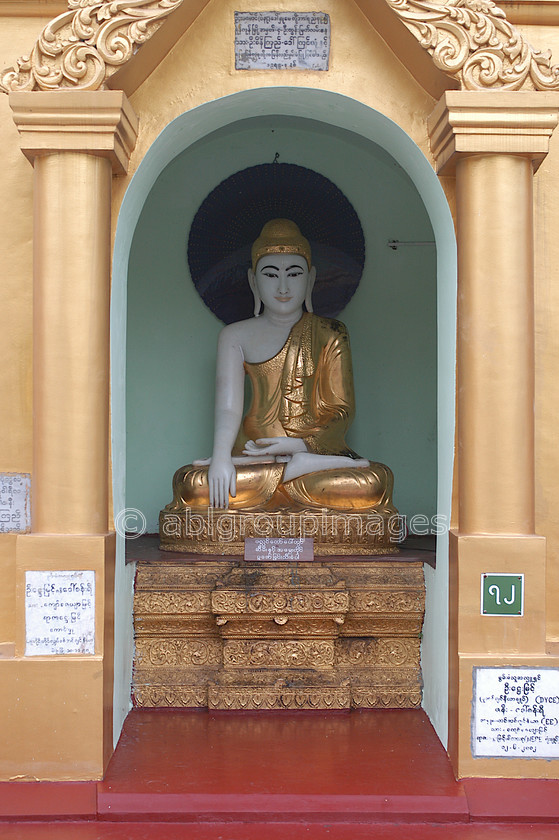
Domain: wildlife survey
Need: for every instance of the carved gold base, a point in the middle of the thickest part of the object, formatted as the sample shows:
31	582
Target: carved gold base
235	635
211	531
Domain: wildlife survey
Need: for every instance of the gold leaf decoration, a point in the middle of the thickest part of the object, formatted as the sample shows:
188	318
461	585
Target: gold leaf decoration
473	41
81	48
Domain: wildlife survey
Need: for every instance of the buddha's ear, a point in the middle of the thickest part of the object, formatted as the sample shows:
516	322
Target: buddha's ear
310	285
256	294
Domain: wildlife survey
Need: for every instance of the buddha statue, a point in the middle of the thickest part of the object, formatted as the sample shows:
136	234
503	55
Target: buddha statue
288	453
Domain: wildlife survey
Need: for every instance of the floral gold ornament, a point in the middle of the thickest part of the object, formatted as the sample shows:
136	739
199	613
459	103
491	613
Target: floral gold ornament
473	41
81	48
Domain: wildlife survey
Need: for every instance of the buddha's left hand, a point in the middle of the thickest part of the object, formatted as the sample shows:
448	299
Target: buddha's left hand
274	446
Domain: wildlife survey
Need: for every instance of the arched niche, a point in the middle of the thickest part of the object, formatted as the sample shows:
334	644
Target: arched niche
168	395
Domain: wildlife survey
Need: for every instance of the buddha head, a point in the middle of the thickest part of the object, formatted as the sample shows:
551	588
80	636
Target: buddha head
281	276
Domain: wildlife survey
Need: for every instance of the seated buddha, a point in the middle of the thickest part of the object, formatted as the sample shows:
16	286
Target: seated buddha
288	452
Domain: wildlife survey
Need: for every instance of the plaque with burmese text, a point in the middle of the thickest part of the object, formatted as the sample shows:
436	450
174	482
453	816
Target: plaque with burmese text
282	40
59	612
279	549
515	713
15	514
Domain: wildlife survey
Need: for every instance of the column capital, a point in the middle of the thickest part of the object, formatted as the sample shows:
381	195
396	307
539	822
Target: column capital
492	122
100	123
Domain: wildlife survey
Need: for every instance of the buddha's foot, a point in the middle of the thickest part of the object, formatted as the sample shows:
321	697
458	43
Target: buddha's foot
303	463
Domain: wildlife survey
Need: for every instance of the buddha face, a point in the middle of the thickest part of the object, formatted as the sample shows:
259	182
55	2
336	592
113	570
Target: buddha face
282	282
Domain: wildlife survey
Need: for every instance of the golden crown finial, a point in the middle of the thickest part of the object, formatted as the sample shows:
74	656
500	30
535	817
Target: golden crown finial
280	236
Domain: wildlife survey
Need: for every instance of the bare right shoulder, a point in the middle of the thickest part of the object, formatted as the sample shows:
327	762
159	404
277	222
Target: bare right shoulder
236	335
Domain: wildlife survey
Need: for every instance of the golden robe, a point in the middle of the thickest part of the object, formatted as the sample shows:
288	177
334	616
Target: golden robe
304	391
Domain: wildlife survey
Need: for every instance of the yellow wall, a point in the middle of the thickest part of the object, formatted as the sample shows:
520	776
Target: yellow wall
200	68
16	306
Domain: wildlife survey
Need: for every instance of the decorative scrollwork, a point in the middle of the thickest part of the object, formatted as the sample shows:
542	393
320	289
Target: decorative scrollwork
473	41
279	654
178	651
81	48
171	603
233	602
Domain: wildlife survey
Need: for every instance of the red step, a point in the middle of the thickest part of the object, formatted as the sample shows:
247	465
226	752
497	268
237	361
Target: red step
313	766
182	775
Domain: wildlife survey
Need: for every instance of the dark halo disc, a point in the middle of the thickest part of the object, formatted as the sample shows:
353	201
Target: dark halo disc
232	216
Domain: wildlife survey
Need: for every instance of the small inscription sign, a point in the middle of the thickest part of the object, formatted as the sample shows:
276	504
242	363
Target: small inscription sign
515	713
502	594
282	40
14	503
59	613
279	549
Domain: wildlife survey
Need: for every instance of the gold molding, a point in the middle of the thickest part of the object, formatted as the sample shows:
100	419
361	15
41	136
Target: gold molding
95	122
477	122
472	41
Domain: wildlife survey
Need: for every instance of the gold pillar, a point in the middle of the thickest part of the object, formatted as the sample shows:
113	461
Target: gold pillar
71	343
494	142
495	344
76	140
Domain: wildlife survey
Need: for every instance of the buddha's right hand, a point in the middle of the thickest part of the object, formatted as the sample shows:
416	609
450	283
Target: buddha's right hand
222	482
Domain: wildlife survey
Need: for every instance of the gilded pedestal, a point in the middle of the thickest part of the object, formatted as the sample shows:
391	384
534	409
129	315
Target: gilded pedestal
233	635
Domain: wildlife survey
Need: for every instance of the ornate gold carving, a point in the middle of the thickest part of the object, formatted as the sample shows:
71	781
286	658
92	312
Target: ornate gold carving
171	602
390	652
179	651
266	636
473	41
278	603
156	696
278	654
81	48
387	602
245	697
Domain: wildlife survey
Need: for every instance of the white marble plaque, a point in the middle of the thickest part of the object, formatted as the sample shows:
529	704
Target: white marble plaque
515	713
282	40
14	503
59	613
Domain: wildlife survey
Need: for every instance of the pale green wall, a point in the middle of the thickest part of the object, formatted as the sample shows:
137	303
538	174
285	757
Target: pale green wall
369	126
392	318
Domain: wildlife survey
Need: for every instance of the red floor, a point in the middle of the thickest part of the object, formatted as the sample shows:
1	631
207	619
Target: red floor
243	776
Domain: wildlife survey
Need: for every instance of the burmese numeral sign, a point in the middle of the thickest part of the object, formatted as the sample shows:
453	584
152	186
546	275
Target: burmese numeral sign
502	594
